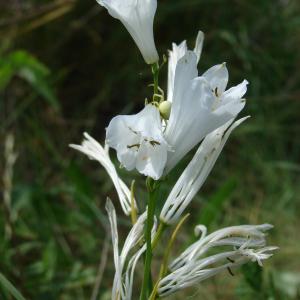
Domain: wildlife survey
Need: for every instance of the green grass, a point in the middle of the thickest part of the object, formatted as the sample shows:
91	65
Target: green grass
81	69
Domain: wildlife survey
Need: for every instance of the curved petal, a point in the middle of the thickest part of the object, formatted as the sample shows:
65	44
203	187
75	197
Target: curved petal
152	159
95	151
199	45
178	51
195	174
139	141
217	76
236	92
186	70
137	16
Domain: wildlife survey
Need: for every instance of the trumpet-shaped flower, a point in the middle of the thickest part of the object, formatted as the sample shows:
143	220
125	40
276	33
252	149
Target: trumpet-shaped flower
137	16
139	141
125	263
95	151
196	172
199	105
247	243
196	106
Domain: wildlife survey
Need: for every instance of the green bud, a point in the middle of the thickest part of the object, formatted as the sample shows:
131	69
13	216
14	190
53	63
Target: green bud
165	109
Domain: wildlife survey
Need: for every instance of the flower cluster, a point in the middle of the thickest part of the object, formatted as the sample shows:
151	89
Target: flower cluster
247	243
199	111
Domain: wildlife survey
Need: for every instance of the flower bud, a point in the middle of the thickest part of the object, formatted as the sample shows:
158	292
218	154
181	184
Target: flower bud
165	109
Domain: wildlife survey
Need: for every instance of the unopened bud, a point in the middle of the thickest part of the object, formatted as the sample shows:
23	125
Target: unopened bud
165	109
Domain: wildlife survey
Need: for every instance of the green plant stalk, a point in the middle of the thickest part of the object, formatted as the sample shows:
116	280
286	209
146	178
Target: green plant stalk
155	72
167	253
152	187
152	192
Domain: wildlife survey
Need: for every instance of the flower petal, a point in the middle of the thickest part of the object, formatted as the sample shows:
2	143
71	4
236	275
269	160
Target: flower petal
137	16
152	159
199	45
95	151
217	76
139	141
236	92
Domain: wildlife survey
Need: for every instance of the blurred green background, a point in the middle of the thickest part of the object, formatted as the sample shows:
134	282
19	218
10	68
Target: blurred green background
66	67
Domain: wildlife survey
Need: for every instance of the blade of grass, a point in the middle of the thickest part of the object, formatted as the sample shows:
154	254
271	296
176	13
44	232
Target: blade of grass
9	287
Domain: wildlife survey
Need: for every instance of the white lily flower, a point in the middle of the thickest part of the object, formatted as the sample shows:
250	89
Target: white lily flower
138	17
199	105
177	52
123	280
95	151
192	266
195	107
235	236
195	174
139	141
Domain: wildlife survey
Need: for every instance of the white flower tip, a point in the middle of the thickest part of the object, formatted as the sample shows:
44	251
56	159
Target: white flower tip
109	205
199	44
240	121
266	227
200	36
86	135
200	230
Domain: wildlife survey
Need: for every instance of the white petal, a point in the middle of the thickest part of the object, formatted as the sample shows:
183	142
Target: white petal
139	141
196	173
117	286
236	92
217	76
192	266
177	52
230	109
124	139
174	56
95	151
195	118
137	16
186	70
199	45
152	159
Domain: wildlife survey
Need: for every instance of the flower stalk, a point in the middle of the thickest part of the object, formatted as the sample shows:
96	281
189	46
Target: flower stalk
155	71
164	265
152	187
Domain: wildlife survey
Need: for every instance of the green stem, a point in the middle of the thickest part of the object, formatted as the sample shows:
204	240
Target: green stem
161	228
152	190
164	265
155	72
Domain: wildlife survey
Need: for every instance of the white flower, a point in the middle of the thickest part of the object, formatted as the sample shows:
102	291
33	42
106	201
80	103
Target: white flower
199	105
137	16
123	280
195	107
247	243
139	141
177	52
235	236
95	151
196	172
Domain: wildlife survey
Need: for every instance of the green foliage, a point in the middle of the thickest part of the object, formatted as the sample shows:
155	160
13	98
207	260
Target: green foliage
22	64
8	287
215	204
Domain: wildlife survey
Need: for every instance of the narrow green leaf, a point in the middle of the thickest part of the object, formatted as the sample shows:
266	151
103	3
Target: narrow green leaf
10	288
